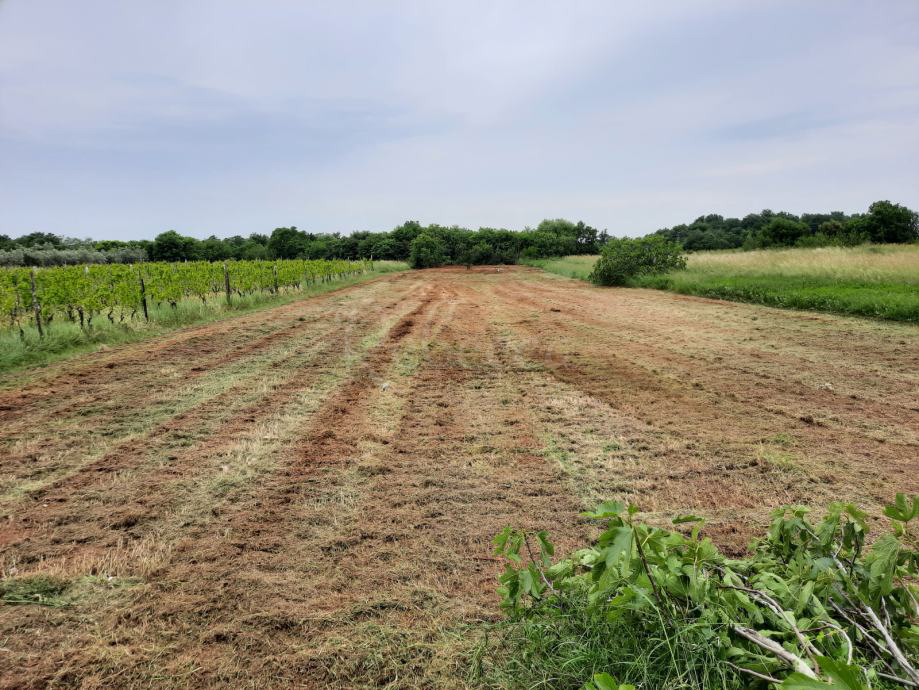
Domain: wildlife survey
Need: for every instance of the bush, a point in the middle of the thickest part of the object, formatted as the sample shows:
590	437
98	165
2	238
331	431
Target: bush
626	258
665	609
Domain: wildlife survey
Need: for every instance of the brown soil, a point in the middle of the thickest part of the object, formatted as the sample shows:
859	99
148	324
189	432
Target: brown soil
305	496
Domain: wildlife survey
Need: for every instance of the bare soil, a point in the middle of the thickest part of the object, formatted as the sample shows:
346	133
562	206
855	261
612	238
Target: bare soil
305	496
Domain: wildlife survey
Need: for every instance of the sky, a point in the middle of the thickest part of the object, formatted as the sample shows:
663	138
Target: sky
120	120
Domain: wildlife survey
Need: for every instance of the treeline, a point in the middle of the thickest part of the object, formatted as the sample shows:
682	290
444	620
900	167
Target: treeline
885	222
433	245
438	245
46	249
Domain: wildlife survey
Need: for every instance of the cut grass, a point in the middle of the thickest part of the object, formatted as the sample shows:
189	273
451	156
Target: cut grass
876	281
43	590
64	339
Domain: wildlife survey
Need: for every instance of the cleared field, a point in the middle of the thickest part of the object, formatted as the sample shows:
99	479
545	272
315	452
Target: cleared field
306	495
880	281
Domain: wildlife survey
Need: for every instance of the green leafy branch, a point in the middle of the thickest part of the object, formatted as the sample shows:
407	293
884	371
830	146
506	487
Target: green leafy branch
813	606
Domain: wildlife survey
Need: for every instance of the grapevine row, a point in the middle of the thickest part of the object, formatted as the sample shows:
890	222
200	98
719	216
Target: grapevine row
37	296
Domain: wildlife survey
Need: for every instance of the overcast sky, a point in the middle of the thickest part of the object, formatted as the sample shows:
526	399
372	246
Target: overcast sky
120	120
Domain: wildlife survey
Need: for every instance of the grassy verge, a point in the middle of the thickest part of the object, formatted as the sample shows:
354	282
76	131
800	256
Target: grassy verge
65	339
877	281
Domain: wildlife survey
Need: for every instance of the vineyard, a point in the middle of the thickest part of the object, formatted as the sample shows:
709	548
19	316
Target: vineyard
37	297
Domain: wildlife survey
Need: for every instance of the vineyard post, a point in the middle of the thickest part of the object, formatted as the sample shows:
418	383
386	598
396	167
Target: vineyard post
143	293
35	305
274	268
226	280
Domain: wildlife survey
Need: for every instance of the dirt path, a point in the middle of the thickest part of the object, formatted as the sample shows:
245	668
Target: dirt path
305	496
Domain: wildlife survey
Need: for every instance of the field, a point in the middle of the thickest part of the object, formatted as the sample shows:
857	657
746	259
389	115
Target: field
306	495
880	281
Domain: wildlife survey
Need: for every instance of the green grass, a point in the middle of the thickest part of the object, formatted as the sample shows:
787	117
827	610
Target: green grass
877	281
568	266
64	339
561	644
42	590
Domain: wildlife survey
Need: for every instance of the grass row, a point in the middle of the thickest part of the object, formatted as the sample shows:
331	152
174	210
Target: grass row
877	281
63	338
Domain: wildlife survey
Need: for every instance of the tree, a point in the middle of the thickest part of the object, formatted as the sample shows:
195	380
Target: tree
215	249
782	232
35	239
888	222
586	238
426	251
479	253
287	243
404	235
384	248
171	246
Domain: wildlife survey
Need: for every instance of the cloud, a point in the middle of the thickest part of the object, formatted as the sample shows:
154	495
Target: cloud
125	119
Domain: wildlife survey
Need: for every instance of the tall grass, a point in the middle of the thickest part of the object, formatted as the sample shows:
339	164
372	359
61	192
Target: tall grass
878	281
64	338
881	264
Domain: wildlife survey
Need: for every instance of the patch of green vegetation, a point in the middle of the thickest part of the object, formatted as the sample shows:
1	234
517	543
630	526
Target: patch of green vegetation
890	301
564	645
57	592
812	606
782	439
43	590
780	459
569	266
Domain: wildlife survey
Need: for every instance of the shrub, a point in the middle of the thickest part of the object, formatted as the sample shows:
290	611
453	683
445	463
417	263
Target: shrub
626	258
665	609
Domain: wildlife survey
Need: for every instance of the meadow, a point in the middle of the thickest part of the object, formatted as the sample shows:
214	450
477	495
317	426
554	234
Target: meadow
878	281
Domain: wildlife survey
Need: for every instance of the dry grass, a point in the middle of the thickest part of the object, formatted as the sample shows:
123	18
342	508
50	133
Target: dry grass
869	263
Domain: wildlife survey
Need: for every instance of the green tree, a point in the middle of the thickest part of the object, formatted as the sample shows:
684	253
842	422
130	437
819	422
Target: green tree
171	246
404	235
426	251
287	243
782	232
889	222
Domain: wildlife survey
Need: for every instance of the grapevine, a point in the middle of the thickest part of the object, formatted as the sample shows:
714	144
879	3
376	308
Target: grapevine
119	291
